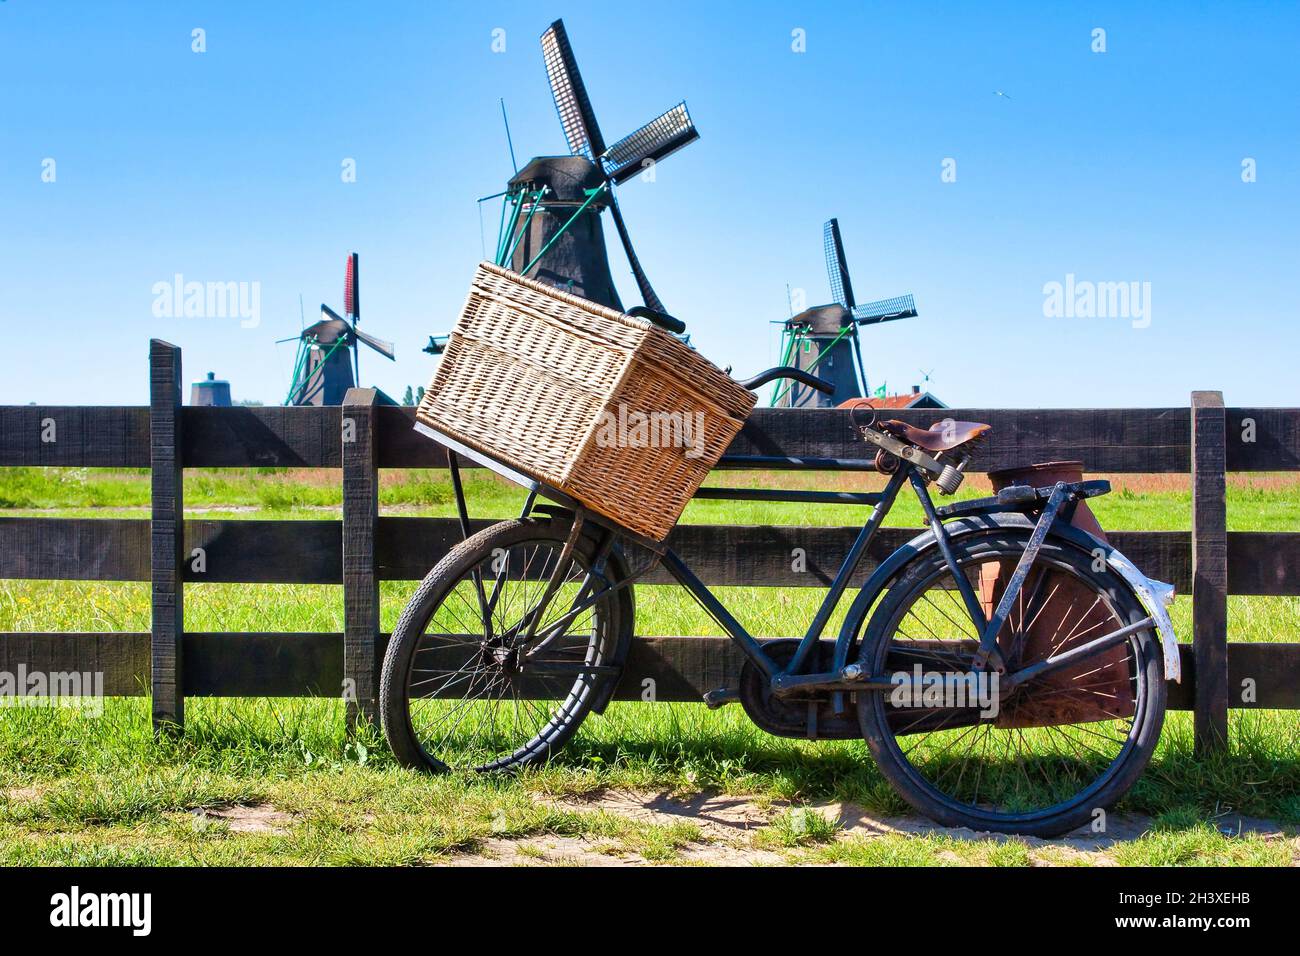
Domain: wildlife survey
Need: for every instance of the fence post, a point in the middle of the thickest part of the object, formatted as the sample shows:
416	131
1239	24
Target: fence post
360	583
1210	570
166	537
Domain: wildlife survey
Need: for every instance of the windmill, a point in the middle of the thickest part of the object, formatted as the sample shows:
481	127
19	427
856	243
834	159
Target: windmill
552	214
824	339
328	362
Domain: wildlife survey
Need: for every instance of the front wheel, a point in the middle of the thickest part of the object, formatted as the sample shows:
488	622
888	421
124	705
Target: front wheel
1044	757
492	666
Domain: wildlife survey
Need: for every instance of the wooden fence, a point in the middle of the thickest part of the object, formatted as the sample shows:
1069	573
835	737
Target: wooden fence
1204	441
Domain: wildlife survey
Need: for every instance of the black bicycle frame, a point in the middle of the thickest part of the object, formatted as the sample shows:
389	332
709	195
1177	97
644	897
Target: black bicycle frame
749	645
795	675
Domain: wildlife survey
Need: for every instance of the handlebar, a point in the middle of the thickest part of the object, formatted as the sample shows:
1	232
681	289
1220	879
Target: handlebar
786	371
661	319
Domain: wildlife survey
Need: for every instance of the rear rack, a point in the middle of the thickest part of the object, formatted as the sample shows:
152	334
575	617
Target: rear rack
1022	498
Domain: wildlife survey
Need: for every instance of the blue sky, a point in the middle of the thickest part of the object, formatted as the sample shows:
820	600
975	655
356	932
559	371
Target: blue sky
224	166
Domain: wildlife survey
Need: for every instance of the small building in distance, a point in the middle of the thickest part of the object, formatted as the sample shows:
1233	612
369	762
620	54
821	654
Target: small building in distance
210	391
913	399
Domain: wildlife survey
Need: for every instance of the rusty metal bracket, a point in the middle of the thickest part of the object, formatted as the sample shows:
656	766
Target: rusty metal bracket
900	449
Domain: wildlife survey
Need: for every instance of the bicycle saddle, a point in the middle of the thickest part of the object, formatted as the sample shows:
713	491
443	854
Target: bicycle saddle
941	436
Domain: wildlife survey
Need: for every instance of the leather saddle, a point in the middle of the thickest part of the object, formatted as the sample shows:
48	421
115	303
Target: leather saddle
941	436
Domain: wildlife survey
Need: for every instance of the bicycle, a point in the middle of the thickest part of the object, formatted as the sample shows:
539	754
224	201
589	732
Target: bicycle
985	698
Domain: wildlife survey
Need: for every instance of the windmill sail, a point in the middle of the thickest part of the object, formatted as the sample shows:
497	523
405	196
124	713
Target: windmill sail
352	288
642	281
658	138
379	345
571	102
885	310
836	268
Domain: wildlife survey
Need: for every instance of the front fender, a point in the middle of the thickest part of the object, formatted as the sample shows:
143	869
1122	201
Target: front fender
1154	596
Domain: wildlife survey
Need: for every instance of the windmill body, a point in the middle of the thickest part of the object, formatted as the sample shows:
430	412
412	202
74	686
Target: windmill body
327	374
824	340
575	258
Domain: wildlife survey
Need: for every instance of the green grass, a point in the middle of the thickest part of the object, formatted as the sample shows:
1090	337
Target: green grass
104	791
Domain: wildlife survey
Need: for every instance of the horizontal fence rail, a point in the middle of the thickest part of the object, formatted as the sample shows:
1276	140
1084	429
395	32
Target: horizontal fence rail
1204	441
311	552
311	664
1107	440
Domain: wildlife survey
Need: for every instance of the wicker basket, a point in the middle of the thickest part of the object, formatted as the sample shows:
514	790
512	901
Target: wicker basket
609	409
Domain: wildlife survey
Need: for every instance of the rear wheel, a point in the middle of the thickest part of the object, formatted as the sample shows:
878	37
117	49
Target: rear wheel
474	677
1040	759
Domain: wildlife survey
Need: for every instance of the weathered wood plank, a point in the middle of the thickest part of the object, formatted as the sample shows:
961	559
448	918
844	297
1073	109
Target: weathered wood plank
1209	571
1263	439
310	664
228	664
310	552
167	536
1264	676
360	580
74	436
293	437
1106	440
401	446
286	552
764	555
76	549
122	657
118	549
1263	562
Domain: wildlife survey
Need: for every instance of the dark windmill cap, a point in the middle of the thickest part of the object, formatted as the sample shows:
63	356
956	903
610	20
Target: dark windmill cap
822	319
569	177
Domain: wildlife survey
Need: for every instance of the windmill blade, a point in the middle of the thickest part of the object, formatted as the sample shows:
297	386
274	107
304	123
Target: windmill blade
642	283
658	138
836	268
379	345
885	310
352	288
571	102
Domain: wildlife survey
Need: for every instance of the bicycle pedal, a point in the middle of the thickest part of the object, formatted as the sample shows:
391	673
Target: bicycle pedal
721	697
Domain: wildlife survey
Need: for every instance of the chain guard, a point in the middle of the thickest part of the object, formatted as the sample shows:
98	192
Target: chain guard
804	717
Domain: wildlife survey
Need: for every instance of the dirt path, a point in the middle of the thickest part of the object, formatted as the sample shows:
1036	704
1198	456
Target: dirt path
727	827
